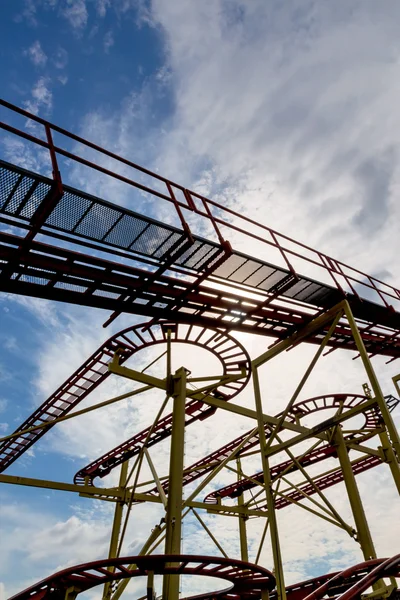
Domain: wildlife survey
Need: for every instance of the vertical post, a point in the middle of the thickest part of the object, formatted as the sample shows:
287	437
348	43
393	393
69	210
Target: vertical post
396	380
116	528
387	417
363	532
244	551
145	548
150	586
390	457
71	593
273	524
175	493
53	157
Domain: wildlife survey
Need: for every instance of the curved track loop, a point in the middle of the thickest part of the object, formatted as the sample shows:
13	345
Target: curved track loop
103	465
247	580
233	358
94	371
353	581
344	585
302	408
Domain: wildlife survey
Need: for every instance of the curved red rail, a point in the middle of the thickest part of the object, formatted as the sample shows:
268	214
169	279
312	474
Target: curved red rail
231	354
317	455
103	465
246	579
350	582
357	578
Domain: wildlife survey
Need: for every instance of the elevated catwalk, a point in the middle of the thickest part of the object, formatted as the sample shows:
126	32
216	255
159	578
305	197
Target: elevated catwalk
170	273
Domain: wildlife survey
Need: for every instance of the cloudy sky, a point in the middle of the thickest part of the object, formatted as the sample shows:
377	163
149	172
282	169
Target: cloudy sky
287	111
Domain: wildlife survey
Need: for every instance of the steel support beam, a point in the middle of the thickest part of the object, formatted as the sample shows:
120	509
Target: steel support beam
393	448
273	524
175	494
110	494
244	551
396	383
363	533
116	528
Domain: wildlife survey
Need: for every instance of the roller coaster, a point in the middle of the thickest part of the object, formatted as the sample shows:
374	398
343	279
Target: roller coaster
186	275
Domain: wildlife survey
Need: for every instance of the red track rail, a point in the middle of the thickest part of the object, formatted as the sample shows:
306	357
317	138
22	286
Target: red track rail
319	454
352	581
94	371
104	464
246	579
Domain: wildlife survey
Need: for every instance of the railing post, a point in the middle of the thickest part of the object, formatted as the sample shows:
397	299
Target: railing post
285	258
185	226
53	156
213	221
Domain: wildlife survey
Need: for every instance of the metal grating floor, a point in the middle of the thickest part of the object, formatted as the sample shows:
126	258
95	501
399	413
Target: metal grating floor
162	271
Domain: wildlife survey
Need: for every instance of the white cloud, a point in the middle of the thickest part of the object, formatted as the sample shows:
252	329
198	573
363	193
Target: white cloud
279	101
102	7
36	54
42	97
18	152
108	41
60	58
63	79
76	13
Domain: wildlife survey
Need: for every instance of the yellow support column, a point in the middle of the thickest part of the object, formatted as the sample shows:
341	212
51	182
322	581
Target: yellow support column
393	450
71	593
244	551
116	528
363	532
273	525
175	494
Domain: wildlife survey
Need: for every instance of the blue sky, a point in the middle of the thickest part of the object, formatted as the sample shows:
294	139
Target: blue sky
85	58
288	112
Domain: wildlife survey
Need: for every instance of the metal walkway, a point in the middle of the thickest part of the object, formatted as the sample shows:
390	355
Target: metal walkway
162	272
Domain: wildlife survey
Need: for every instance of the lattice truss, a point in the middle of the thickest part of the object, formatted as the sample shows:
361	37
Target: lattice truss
64	244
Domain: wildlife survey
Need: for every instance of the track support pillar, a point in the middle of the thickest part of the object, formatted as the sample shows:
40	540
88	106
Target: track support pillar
393	448
71	593
175	494
116	528
387	417
244	551
363	533
273	524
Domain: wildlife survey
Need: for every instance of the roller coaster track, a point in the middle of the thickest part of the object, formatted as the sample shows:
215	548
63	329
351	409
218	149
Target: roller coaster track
344	585
322	482
302	408
230	353
103	465
368	429
247	580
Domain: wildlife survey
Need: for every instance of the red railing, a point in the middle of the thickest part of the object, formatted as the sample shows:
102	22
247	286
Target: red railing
344	277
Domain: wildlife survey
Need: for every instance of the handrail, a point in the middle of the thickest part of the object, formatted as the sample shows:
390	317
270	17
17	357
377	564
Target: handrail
337	270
